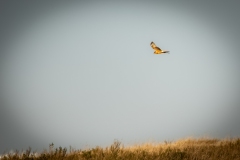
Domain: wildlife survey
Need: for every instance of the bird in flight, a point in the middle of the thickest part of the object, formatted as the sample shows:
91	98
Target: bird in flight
157	49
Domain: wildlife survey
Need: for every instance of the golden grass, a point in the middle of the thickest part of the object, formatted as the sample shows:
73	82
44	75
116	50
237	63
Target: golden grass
185	149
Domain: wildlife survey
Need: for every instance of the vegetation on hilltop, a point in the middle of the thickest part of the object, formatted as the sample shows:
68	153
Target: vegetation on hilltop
186	149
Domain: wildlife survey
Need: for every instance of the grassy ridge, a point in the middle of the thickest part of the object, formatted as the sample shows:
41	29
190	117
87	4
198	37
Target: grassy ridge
192	149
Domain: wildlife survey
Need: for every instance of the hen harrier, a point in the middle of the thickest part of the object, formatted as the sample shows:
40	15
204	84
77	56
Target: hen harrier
157	49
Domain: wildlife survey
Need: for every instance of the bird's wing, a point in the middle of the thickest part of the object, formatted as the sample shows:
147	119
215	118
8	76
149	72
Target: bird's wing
157	48
153	45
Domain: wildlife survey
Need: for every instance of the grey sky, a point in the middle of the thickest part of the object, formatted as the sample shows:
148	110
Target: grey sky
84	74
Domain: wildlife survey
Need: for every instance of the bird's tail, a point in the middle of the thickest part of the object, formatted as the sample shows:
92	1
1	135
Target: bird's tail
165	51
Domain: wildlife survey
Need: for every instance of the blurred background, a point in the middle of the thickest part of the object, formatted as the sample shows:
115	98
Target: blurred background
82	73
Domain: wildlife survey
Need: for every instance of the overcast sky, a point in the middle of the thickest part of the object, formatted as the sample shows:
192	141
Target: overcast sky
82	73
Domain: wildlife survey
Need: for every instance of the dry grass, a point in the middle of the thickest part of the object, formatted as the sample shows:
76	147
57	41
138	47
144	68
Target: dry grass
192	149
